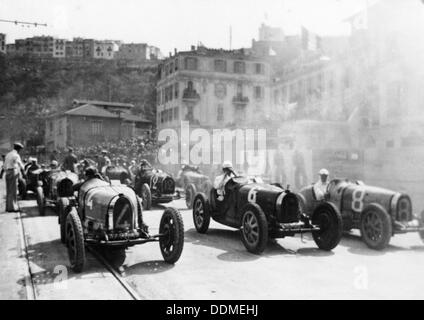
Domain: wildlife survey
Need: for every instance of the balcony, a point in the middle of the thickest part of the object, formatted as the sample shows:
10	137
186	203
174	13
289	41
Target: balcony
240	100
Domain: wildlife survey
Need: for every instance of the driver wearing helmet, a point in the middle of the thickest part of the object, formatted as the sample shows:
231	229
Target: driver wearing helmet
320	187
90	173
221	180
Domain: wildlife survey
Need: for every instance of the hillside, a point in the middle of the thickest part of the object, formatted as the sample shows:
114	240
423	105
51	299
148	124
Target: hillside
32	88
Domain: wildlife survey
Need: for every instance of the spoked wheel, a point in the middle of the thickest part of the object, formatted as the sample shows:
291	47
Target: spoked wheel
376	227
190	191
146	195
254	228
75	241
172	230
327	217
41	201
63	209
201	213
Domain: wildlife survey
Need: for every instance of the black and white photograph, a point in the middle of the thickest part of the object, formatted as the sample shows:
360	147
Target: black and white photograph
221	151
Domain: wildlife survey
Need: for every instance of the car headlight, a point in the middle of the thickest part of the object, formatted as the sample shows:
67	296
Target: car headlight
404	209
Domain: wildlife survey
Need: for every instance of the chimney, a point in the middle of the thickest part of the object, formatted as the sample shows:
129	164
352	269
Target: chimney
175	51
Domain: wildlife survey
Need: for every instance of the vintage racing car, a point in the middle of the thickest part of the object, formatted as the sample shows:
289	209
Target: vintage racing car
54	187
261	211
117	173
378	213
108	215
155	186
192	181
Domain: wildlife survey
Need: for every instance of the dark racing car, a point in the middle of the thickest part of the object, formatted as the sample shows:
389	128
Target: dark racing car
154	186
110	216
192	181
378	213
261	211
54	188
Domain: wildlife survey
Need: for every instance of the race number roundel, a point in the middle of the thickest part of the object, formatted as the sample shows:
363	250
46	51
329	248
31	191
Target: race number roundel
358	200
251	196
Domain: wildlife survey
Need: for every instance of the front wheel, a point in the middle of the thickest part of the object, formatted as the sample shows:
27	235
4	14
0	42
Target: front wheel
201	213
328	218
75	241
190	191
421	224
146	195
171	229
254	228
376	227
40	201
63	209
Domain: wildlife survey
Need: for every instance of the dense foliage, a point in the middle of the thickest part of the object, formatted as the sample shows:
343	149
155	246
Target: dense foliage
31	89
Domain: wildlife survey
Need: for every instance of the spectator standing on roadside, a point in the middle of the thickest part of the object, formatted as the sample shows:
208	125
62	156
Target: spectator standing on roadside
13	166
70	161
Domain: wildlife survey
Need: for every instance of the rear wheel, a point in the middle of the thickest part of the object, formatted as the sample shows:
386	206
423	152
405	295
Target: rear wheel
201	213
190	191
172	230
254	228
63	209
40	201
146	195
376	227
75	241
327	217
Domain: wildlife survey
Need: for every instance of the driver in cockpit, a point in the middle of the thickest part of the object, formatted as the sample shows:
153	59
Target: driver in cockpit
221	180
320	187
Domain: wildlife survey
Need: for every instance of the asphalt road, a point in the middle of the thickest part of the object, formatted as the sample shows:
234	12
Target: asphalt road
217	266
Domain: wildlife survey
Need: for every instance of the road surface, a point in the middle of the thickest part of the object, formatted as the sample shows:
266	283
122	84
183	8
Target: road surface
212	266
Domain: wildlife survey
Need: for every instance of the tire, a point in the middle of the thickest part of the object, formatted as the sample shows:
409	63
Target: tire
146	195
41	202
421	224
376	227
63	209
254	228
190	192
328	218
75	241
172	242
22	188
201	213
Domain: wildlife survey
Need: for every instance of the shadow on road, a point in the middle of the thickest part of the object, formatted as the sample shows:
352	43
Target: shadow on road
29	210
226	240
355	245
148	267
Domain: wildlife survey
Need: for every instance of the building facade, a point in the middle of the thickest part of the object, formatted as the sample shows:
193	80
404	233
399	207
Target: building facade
212	89
91	122
3	43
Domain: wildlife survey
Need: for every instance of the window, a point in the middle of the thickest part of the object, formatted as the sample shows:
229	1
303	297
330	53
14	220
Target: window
191	63
96	128
258	92
220	65
176	65
176	113
276	97
51	126
259	68
239	89
292	93
60	127
239	67
220	113
161	116
176	90
171	67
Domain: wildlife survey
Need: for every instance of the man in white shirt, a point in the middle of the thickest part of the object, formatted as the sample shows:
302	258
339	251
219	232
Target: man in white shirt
320	187
13	166
221	180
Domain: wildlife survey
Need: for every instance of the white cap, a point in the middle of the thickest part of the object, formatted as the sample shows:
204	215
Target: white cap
324	172
227	165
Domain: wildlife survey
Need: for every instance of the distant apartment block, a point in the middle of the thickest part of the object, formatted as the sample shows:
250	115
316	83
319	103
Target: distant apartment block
2	43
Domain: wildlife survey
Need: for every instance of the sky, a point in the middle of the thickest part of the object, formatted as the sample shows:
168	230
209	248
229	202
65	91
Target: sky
171	24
